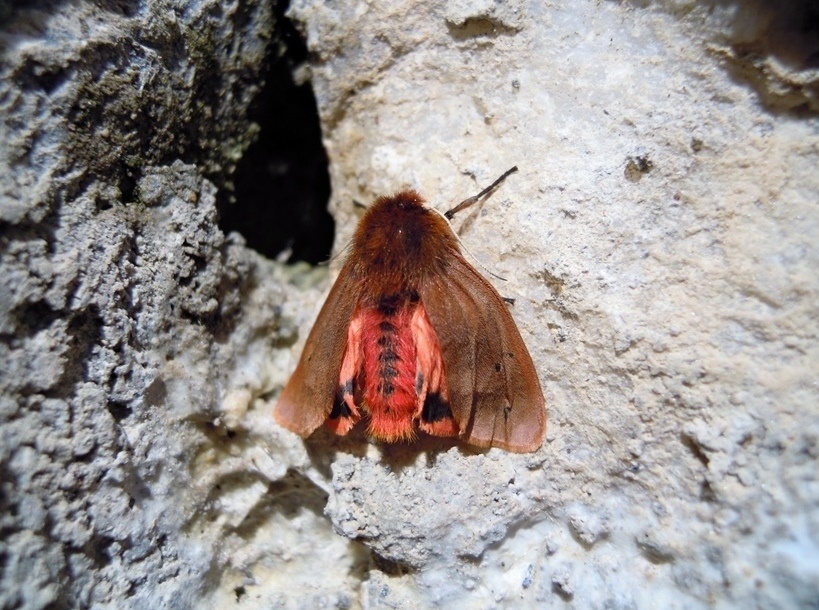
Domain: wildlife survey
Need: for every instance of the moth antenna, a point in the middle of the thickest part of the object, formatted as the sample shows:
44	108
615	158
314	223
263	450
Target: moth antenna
356	204
346	248
492	273
338	254
464	248
475	198
449	214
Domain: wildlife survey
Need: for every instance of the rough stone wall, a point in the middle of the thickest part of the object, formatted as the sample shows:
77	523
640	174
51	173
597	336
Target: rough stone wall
659	241
120	299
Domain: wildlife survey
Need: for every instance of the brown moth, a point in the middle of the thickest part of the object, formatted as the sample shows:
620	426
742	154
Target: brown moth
412	337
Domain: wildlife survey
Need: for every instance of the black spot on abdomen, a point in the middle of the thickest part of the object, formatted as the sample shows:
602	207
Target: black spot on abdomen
435	409
340	408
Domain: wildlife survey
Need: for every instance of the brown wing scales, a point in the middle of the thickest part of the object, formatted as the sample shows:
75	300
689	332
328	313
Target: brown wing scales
308	398
494	389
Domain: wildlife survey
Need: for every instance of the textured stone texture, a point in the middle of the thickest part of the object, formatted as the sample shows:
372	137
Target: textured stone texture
659	241
121	302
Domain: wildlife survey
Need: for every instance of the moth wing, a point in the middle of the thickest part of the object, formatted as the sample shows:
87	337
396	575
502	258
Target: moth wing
495	395
308	397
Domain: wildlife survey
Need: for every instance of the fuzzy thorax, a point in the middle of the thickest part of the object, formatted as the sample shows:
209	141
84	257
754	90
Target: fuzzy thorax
399	243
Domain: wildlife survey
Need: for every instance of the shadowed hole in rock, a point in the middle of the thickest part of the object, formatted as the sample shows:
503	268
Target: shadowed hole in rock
287	496
775	47
694	447
390	567
707	493
282	183
295	491
34	317
118	410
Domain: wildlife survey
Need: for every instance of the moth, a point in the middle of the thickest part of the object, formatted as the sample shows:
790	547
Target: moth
412	337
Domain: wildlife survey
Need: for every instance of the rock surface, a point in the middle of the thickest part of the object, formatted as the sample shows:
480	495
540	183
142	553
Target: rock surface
659	241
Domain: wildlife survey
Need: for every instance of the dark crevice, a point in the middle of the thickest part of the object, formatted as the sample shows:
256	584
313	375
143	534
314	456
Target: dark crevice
476	28
707	493
118	410
695	448
34	317
98	550
391	567
787	32
85	331
295	492
282	183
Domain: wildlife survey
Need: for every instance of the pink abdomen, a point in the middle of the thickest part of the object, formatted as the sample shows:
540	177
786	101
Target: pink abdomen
387	376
